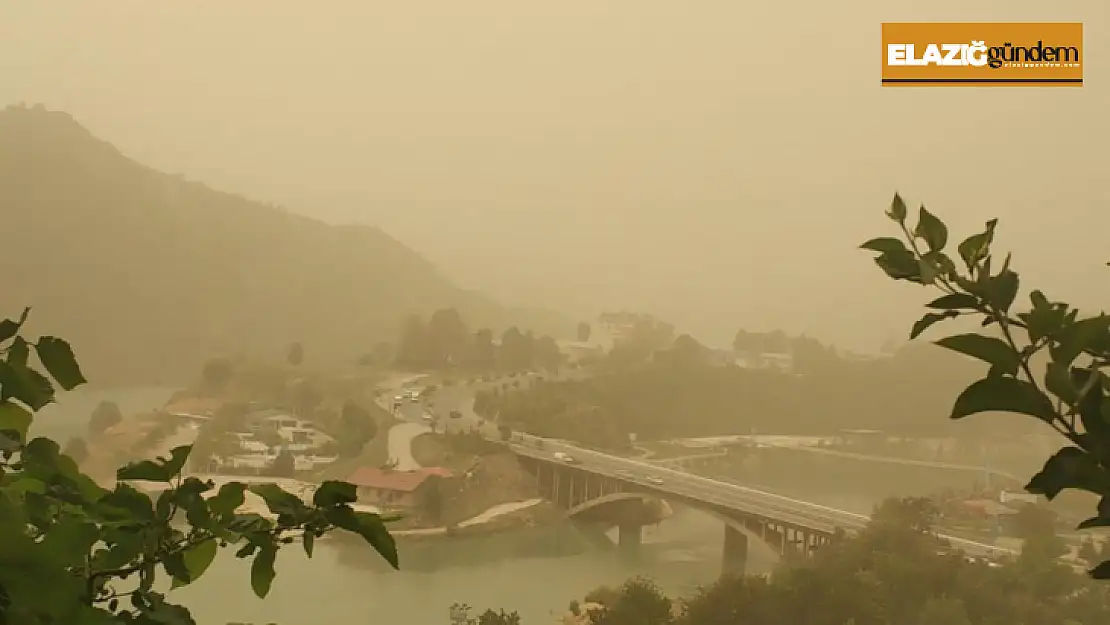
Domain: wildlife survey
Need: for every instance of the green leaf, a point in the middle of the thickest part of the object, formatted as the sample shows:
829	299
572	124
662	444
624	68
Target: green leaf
897	210
1077	337
1000	394
976	247
262	570
279	501
1093	522
885	245
57	356
931	229
334	493
18	352
15	418
72	538
899	265
1070	467
26	385
228	499
1001	290
928	320
160	470
1090	411
926	271
996	352
125	502
9	328
370	527
198	558
1102	571
143	471
955	301
1057	380
178	456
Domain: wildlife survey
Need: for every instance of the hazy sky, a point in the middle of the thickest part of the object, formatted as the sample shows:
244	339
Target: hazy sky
714	161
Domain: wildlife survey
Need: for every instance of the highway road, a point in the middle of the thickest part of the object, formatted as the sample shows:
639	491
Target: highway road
683	484
680	483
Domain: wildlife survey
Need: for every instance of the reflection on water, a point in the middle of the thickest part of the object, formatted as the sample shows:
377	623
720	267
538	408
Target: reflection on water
521	570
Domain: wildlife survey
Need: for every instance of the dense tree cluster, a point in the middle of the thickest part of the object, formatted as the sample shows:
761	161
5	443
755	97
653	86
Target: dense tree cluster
444	341
685	391
894	571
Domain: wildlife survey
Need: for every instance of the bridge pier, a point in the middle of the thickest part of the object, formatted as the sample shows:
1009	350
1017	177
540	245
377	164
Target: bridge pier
629	538
734	560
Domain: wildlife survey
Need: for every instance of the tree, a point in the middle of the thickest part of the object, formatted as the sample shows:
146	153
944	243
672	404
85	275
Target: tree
500	617
413	349
216	374
105	415
639	602
356	428
448	337
66	550
295	355
516	350
77	449
307	397
483	353
916	513
431	498
546	354
584	332
284	465
1070	396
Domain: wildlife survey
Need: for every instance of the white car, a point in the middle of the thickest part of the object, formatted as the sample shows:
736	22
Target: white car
562	457
658	481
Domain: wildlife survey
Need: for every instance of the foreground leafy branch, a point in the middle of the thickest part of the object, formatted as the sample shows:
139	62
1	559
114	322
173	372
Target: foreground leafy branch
1069	393
72	552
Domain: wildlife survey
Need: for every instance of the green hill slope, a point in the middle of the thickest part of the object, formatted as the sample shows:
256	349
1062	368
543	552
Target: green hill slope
149	274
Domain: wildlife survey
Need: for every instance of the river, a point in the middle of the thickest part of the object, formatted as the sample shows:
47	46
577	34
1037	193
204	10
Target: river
534	570
514	569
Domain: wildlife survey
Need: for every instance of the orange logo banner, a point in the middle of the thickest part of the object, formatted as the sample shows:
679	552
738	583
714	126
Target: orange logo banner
982	55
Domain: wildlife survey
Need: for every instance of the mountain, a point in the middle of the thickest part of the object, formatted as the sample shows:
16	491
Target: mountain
148	274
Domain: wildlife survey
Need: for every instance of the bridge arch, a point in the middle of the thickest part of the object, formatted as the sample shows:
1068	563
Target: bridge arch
738	533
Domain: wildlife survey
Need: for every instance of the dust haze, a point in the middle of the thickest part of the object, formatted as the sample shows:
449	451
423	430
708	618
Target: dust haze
714	165
574	287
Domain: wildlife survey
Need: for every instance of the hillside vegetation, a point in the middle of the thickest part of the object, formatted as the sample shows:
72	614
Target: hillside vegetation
150	274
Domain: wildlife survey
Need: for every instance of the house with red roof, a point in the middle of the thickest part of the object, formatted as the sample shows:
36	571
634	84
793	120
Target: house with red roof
384	487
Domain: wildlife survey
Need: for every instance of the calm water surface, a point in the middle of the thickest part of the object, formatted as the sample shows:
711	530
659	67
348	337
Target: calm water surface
347	587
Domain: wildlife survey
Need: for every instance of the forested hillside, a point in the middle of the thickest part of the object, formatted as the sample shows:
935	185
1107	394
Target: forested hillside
149	274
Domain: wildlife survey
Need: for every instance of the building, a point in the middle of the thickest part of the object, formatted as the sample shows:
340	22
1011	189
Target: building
400	489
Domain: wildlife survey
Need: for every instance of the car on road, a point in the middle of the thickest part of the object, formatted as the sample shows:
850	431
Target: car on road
563	457
658	481
428	417
455	414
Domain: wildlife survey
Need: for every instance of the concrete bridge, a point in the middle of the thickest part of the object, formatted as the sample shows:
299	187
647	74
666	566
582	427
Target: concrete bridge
605	488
